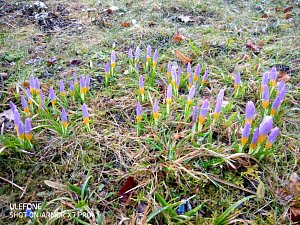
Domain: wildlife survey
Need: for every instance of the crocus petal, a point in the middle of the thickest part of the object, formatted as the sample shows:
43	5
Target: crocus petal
266	125
204	108
250	111
130	54
219	101
85	111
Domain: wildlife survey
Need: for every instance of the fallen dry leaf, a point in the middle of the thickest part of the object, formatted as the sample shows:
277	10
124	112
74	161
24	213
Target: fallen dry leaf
126	24
55	185
253	47
288	15
186	19
182	57
8	114
283	76
294	184
279	9
288	9
124	191
294	214
265	16
178	38
284	194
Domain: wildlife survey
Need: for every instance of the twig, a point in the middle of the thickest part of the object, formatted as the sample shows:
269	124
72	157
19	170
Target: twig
22	189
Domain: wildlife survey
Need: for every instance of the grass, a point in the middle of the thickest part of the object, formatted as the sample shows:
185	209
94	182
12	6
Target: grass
168	167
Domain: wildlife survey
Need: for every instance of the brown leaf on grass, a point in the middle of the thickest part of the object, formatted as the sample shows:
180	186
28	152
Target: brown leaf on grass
288	9
294	184
284	194
126	24
265	16
124	191
253	47
178	37
288	15
26	84
182	57
294	214
152	24
283	76
55	185
279	9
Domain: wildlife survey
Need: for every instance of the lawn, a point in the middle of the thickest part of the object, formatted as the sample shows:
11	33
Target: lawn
149	112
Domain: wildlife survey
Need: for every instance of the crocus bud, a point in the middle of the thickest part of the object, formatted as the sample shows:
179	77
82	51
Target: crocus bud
62	88
264	81
237	81
148	56
72	90
155	58
265	97
246	133
113	59
191	95
52	96
28	134
20	131
275	105
137	54
250	111
204	78
169	70
75	79
189	70
169	94
197	73
203	112
272	137
141	85
29	96
219	104
138	112
282	92
195	114
130	54
264	128
17	119
178	78
174	76
85	114
273	76
37	86
254	138
87	83
12	106
24	105
107	70
155	110
32	84
280	85
82	85
64	118
42	98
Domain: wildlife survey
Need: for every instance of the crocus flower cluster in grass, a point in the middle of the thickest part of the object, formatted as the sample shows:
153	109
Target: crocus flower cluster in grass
35	103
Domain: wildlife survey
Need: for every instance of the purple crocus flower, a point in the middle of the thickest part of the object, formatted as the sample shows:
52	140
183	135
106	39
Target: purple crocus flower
155	58
20	130
87	83
29	96
28	134
190	80
37	85
273	76
174	76
32	84
169	94
203	112
113	59
264	81
141	85
64	118
82	84
191	95
155	110
107	70
72	90
195	114
272	137
130	54
264	128
246	133
282	92
189	69
24	105
137	54
204	78
178	77
237	81
62	88
275	105
85	114
148	56
280	85
197	73
250	111
17	119
265	97
219	104
52	96
12	106
169	68
254	138
138	112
